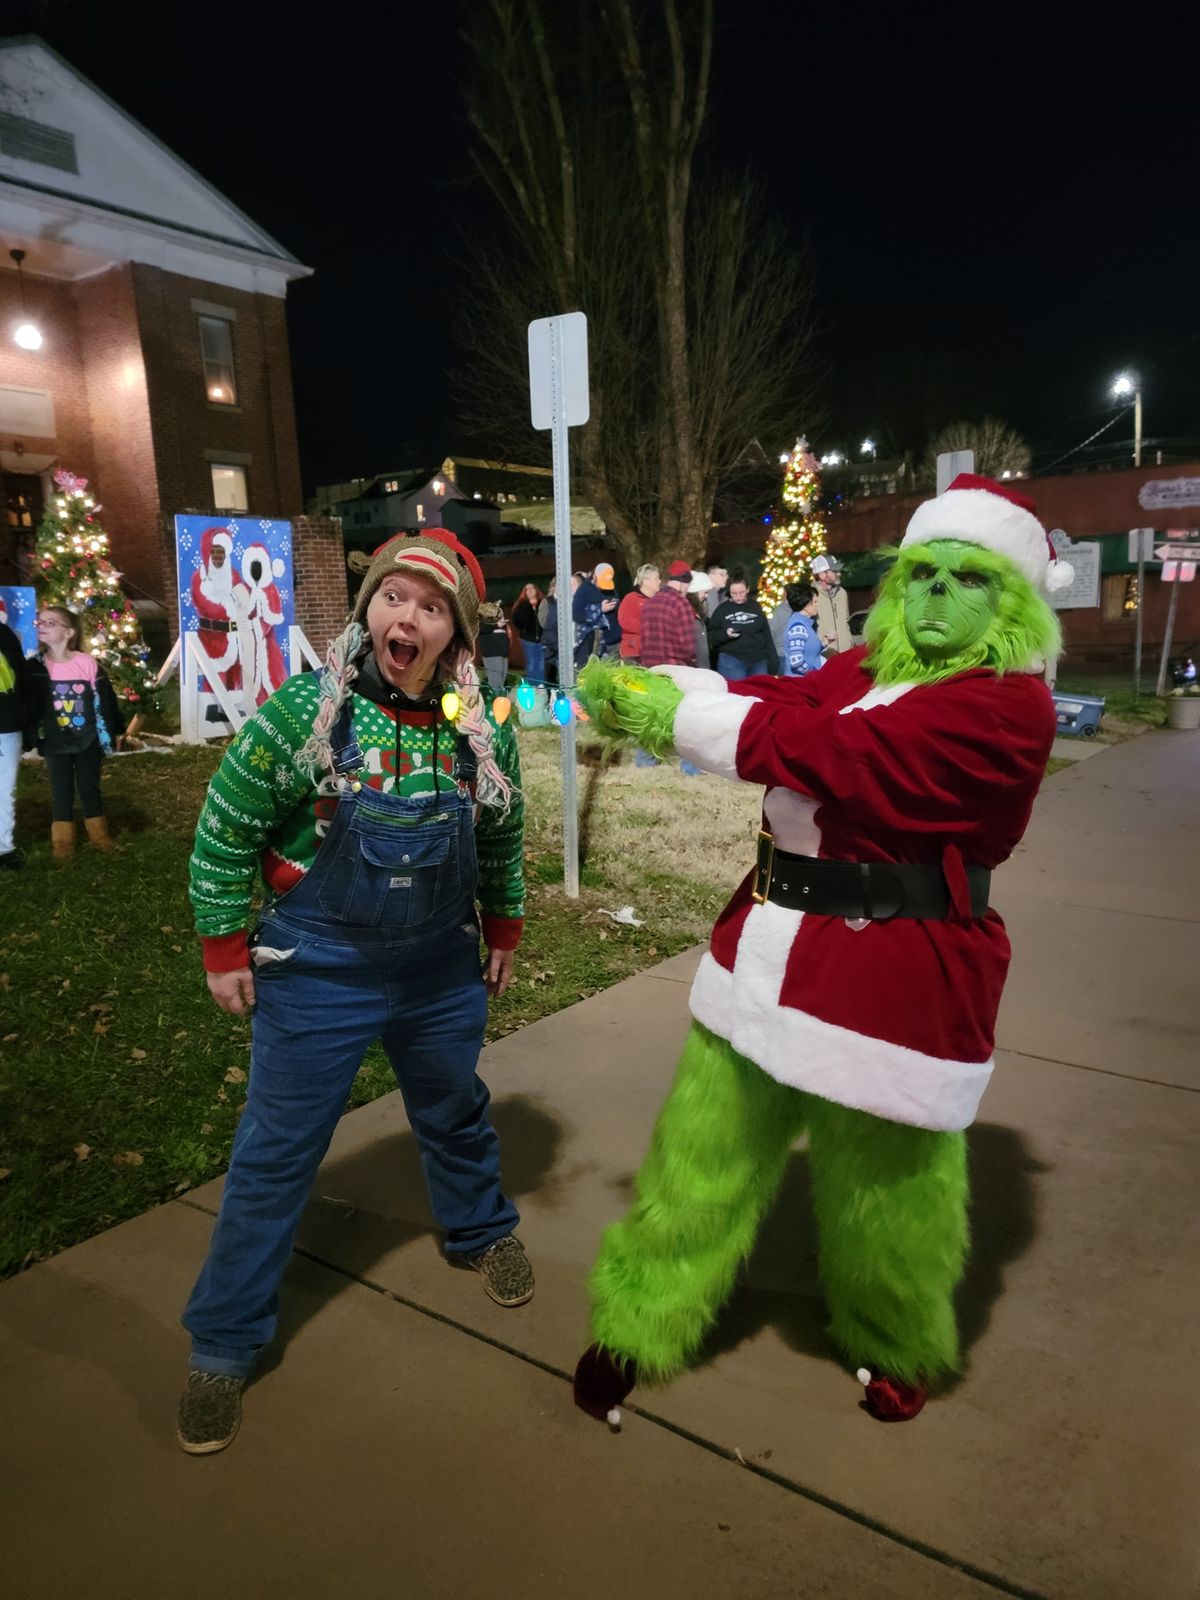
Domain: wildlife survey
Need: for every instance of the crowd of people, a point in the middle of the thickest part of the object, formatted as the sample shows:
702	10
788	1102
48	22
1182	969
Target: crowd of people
685	618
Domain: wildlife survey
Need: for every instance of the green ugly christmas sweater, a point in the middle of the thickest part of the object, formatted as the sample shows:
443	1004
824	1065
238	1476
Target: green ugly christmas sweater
261	813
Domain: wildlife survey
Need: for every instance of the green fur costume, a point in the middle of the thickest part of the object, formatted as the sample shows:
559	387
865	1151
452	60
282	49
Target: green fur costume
890	1198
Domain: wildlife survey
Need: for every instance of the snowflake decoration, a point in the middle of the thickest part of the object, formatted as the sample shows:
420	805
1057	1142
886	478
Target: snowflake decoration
262	758
185	541
285	777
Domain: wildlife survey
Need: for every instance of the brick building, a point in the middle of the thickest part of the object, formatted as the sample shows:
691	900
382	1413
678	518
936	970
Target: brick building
163	373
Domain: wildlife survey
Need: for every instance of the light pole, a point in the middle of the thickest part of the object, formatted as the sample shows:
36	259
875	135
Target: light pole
1121	386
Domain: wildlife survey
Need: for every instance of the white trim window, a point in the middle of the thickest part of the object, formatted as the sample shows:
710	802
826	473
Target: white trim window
230	491
216	352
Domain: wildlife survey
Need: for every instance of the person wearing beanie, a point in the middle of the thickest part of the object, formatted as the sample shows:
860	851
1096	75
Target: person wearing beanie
380	799
851	985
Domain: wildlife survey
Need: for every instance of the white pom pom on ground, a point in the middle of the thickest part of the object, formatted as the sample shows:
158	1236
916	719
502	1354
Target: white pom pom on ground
863	1376
278	568
614	1418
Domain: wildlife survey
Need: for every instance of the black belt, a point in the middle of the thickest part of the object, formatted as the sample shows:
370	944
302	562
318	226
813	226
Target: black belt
861	890
211	625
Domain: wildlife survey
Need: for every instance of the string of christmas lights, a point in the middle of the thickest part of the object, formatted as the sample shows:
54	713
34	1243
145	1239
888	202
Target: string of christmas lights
800	535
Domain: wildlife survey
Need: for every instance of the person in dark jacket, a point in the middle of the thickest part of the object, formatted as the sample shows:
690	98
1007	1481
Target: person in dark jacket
526	620
494	644
16	709
740	636
594	613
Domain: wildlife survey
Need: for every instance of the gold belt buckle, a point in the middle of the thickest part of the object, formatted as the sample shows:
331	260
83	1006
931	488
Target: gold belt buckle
764	867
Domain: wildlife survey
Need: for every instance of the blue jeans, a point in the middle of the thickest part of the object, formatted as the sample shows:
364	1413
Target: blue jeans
316	1013
733	670
535	660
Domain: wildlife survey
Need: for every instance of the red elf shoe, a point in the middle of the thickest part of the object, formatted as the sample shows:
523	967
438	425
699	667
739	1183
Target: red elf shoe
889	1400
602	1381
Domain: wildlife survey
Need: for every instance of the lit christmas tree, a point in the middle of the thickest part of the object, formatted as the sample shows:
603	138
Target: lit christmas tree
800	534
73	570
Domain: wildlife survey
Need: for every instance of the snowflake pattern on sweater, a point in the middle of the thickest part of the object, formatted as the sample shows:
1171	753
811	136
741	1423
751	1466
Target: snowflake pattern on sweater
262	814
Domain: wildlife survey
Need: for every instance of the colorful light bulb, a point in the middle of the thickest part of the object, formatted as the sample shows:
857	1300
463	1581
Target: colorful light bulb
450	705
562	709
526	696
501	706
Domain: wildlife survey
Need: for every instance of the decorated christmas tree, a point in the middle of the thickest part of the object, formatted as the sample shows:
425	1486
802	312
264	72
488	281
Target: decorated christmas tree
73	570
799	534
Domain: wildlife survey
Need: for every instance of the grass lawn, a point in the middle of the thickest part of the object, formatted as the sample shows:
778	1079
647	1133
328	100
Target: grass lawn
121	1082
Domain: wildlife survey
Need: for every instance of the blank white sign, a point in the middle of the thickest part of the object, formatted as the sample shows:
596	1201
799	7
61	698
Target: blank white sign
572	335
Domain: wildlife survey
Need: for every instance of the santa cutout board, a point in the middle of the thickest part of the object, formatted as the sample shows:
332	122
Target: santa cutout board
18	608
237	628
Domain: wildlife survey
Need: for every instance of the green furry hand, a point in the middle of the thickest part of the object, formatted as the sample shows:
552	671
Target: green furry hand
630	705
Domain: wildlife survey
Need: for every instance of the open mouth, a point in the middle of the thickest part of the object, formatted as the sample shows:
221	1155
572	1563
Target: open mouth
401	655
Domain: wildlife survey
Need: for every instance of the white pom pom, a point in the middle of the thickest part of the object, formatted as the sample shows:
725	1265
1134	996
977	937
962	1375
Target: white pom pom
277	567
1060	576
863	1376
614	1417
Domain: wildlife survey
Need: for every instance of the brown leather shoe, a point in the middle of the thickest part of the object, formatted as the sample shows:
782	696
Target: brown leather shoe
62	839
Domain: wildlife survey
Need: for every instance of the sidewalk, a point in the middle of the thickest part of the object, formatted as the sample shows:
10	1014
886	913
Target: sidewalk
418	1438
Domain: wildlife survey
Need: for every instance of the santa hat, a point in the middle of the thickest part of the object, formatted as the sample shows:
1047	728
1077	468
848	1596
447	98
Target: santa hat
981	511
210	537
435	554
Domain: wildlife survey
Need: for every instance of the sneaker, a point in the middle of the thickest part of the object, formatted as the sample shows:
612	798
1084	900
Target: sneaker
506	1273
210	1409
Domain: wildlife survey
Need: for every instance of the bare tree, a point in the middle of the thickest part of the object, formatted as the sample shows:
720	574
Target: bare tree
587	119
999	450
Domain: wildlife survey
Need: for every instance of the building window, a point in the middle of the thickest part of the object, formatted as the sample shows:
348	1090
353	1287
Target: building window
1119	597
34	141
420	513
216	349
392	488
229	488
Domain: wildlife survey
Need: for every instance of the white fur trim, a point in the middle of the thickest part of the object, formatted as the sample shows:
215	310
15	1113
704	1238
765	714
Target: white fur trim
980	517
881	695
794	1047
792	820
707	728
689	678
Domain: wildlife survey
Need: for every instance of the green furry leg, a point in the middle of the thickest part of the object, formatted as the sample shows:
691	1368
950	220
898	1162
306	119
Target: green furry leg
891	1210
715	1163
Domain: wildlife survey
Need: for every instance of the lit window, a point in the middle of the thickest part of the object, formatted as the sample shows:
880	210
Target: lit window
229	488
392	487
216	349
438	486
420	513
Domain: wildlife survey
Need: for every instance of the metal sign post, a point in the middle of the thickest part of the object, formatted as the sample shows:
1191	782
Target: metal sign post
1141	541
950	464
558	395
1179	559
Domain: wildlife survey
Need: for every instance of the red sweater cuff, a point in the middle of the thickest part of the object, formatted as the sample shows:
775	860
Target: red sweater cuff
226	952
502	933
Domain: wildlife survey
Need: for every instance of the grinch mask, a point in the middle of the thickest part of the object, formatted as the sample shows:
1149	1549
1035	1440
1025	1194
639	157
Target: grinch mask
950	600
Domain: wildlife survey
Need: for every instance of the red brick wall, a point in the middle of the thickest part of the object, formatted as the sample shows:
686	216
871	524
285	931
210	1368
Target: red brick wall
322	592
118	404
186	423
57	366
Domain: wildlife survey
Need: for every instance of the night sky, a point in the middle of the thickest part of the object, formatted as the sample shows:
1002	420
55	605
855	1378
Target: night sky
1001	209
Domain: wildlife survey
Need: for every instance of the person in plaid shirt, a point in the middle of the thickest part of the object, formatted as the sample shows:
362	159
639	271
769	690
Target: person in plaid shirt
669	639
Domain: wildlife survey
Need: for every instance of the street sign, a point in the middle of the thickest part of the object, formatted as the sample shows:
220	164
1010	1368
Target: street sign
1083	591
570	331
1178	571
1161	494
1141	544
950	464
1177	552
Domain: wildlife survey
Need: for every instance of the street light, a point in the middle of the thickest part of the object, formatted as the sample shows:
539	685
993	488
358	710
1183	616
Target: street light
833	459
27	335
868	448
1125	383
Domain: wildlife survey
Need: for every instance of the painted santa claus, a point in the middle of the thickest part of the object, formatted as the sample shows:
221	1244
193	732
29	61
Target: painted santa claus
216	596
260	613
851	986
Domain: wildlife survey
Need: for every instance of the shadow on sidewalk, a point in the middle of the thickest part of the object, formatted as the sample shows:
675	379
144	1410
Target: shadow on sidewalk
780	1288
369	1204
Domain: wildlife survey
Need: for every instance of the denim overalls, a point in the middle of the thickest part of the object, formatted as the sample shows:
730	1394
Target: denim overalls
379	940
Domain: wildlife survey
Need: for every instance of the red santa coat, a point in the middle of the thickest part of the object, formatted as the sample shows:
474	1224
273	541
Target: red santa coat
896	1018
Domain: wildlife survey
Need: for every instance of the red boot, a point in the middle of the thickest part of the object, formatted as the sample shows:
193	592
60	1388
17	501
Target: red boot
889	1400
602	1381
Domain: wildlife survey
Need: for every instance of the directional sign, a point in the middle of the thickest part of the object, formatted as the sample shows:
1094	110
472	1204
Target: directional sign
1177	552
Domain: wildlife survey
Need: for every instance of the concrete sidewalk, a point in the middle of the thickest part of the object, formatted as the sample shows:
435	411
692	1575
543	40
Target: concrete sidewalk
412	1435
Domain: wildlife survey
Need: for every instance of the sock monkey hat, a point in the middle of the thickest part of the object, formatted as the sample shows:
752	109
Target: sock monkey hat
982	511
434	554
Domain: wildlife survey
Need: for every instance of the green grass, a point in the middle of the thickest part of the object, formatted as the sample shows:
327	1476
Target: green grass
121	1082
